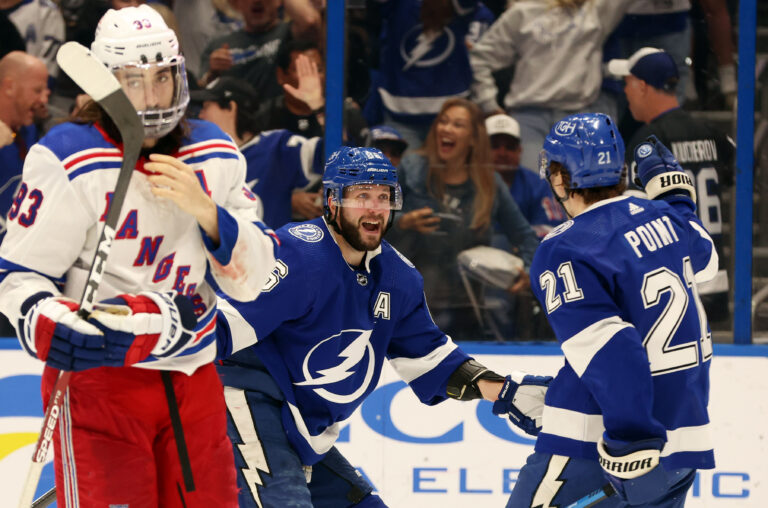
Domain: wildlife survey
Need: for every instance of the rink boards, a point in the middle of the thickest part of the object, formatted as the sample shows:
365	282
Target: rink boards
455	454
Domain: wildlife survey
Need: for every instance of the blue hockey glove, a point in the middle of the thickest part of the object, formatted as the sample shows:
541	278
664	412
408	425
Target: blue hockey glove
53	332
521	398
633	468
658	172
150	323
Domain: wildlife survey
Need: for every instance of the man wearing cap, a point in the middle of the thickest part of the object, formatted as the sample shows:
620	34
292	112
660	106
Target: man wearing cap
532	194
278	161
390	142
650	80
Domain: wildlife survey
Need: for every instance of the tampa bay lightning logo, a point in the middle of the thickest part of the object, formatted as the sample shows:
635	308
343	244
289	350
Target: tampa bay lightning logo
307	232
644	150
418	49
565	128
325	367
559	229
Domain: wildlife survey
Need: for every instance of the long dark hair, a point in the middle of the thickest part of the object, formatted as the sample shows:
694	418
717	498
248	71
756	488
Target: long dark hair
92	113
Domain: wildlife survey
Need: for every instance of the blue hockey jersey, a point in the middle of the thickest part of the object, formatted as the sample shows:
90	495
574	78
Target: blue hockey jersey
420	71
280	161
534	198
618	283
323	330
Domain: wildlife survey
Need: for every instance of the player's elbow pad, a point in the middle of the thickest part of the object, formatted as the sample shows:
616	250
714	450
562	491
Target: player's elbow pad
462	385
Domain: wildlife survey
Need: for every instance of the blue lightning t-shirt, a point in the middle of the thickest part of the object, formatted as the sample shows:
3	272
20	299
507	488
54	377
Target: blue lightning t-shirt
618	283
279	162
323	329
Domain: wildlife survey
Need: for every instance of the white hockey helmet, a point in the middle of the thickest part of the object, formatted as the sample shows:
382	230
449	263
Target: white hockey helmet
143	53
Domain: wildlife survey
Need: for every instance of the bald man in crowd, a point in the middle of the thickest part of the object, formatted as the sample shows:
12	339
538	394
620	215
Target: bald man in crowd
23	90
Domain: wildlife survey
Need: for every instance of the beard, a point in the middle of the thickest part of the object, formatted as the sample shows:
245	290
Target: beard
351	232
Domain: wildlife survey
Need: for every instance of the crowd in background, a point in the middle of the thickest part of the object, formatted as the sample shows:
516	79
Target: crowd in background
459	94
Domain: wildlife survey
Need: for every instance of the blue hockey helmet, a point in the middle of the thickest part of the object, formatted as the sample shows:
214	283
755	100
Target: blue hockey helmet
589	146
350	166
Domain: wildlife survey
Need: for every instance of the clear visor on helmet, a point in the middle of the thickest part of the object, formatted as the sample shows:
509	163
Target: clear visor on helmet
544	165
158	91
376	197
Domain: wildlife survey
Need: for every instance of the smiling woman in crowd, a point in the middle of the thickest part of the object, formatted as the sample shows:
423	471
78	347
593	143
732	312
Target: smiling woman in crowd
453	201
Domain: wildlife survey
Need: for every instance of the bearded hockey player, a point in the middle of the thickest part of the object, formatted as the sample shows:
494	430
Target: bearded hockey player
311	348
187	216
619	284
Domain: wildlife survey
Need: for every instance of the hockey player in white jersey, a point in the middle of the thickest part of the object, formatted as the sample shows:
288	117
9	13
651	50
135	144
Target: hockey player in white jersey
311	348
187	217
618	282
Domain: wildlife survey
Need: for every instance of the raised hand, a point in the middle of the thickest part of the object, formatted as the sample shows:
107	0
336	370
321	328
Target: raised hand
310	90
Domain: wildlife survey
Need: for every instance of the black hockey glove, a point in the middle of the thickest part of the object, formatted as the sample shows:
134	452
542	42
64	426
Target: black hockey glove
659	173
462	385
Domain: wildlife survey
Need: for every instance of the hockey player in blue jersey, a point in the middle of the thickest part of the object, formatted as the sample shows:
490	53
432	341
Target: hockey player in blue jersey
310	349
618	282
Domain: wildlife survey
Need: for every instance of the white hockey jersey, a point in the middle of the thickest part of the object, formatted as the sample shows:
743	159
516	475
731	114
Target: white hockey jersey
56	219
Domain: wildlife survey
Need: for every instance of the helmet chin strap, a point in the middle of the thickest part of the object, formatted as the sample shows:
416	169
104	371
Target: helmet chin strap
561	200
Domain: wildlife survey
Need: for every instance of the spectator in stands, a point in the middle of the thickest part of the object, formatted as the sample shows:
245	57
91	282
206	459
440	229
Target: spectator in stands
453	200
665	25
251	53
278	162
532	194
706	154
557	50
41	25
200	21
716	35
390	142
23	88
293	112
422	61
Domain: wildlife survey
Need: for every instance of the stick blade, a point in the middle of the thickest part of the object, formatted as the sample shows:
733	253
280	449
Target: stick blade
100	84
86	70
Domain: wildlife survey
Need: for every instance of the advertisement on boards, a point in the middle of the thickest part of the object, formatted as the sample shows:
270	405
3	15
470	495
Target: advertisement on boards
454	454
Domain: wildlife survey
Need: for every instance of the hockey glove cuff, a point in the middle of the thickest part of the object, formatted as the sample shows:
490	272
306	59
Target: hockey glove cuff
522	399
54	332
633	468
150	323
462	385
659	173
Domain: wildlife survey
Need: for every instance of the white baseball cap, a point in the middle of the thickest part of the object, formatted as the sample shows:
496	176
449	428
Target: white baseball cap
502	124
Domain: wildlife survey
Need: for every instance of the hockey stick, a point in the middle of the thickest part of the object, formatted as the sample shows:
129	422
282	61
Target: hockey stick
594	498
98	82
46	499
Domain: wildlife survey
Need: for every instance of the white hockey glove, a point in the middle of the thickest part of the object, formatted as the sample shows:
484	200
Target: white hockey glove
659	173
150	323
521	398
633	468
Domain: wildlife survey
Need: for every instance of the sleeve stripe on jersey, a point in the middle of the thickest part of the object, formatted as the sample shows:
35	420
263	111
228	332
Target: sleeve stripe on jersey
204	147
243	334
580	348
410	368
85	156
688	439
589	428
572	424
709	271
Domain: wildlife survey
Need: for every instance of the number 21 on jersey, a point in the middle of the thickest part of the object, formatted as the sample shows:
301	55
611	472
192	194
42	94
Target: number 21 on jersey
663	357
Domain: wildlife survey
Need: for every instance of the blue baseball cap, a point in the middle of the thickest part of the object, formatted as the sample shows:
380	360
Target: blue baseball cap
652	65
387	133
